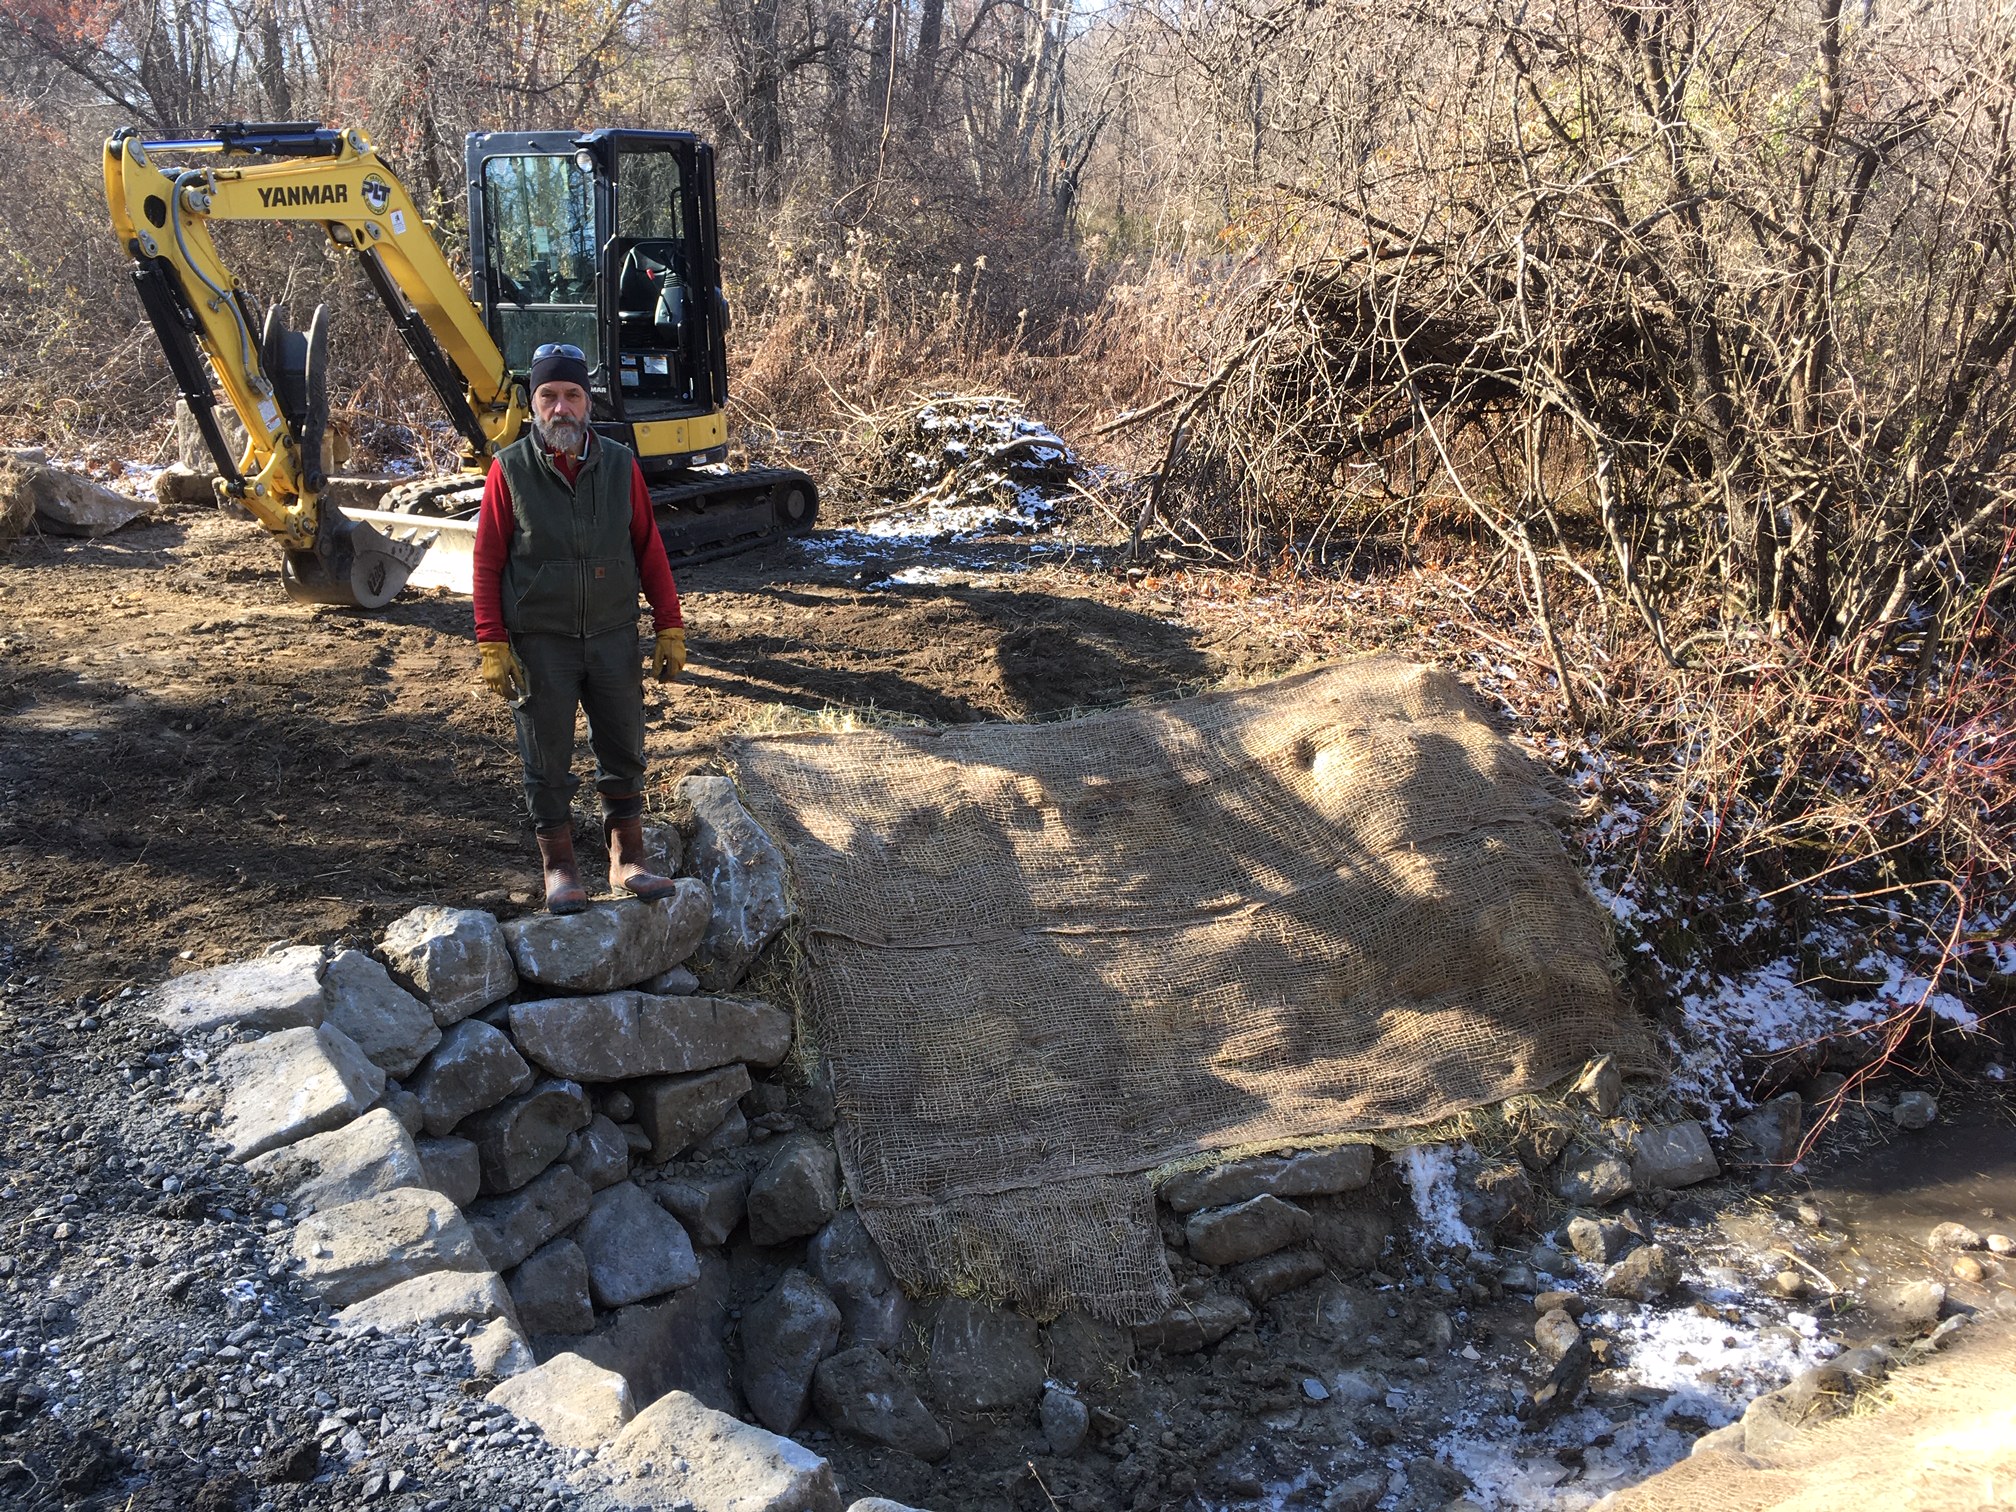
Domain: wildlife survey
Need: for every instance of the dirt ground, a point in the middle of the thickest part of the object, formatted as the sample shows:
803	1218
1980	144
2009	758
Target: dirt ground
196	767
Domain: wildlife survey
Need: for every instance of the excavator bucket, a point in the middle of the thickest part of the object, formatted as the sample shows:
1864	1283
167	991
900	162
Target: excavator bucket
351	564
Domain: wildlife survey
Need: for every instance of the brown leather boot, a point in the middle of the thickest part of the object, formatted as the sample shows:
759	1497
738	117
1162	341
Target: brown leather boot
626	858
564	892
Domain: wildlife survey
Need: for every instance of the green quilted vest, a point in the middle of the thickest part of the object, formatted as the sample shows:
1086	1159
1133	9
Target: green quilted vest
572	570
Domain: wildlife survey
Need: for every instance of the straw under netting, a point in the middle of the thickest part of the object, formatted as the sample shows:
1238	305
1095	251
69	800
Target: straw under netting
1047	959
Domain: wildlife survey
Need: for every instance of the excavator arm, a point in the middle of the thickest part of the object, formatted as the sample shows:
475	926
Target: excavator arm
276	378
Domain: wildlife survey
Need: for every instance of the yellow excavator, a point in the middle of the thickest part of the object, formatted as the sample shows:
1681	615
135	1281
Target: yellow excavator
605	240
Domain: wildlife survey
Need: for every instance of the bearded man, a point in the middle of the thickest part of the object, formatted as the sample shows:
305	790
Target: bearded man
565	541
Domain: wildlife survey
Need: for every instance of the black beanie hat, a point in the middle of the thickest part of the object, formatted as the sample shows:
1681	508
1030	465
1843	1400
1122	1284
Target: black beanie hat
558	367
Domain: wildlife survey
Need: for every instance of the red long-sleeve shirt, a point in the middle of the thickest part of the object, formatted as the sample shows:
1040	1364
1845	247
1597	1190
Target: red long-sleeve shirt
496	525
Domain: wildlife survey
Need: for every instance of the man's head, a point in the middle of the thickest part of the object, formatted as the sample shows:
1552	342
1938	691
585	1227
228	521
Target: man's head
559	384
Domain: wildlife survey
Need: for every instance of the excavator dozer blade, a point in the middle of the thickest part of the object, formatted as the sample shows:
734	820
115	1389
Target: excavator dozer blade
353	564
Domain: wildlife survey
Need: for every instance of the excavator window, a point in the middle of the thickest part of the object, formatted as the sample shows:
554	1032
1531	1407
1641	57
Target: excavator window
540	222
651	280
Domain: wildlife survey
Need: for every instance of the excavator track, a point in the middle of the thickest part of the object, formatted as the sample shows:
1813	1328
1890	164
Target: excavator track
701	516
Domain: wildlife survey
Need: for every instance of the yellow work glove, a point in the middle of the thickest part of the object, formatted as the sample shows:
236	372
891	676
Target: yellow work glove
502	671
668	657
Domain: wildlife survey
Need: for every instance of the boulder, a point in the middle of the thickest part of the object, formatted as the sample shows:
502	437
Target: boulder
1590	1178
1672	1155
65	503
619	1036
1305	1173
1644	1275
438	1299
474	1067
292	1084
390	1025
678	1449
848	1263
190	450
1191	1326
796	1193
673	1344
635	1249
784	1337
509	1228
523	1135
178	487
450	1166
1262	1280
984	1359
1597	1240
1770	1135
598	1154
498	1350
370	1155
454	959
744	873
1245	1231
708	1202
351	1252
550	1290
1065	1421
608	945
576	1404
278	991
861	1394
676	1110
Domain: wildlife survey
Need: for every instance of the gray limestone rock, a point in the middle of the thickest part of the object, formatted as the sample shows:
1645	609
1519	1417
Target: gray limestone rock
351	1252
618	1036
1245	1231
1644	1275
676	1110
68	503
509	1228
678	982
1555	1334
609	945
291	1084
1065	1421
1590	1178
708	1202
784	1337
1305	1173
523	1135
437	1299
860	1393
674	1344
732	1133
984	1359
405	1107
849	1264
450	1166
1190	1326
1270	1276
550	1290
474	1067
635	1249
1597	1240
390	1025
714	1462
278	991
1914	1110
796	1193
598	1154
574	1403
499	1351
1770	1135
1672	1155
454	959
369	1155
745	876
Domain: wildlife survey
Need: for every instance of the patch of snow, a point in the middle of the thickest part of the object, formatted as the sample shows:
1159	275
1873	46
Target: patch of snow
1430	1172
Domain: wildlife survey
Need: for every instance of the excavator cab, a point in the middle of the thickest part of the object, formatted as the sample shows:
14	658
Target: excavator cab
606	241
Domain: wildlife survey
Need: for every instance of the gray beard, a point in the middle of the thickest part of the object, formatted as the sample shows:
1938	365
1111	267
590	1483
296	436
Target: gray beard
560	434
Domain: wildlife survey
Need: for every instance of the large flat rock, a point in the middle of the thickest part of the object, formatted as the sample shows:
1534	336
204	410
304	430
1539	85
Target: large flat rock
607	945
278	991
360	1249
292	1084
509	1228
678	1449
369	1155
68	503
390	1025
616	1036
437	1299
1301	1173
575	1403
744	872
454	959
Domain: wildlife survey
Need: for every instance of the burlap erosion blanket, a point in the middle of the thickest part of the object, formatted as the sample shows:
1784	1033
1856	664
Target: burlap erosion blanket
1046	959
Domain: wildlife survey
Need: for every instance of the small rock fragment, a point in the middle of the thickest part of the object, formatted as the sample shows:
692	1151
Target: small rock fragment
574	1403
1555	1333
1065	1421
1954	1236
1644	1275
1914	1110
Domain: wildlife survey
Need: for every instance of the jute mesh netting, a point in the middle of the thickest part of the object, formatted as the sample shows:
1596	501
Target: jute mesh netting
1046	959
